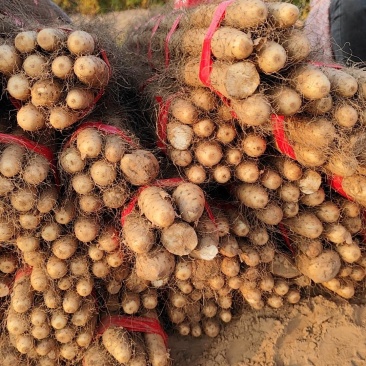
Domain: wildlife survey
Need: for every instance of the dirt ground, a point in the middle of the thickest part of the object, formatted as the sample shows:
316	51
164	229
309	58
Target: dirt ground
316	332
125	19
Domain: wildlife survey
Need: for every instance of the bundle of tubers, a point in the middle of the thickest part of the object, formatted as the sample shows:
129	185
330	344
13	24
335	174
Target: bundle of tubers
218	88
118	343
158	212
197	129
102	162
322	228
329	245
28	190
233	102
205	143
73	251
59	326
9	354
55	75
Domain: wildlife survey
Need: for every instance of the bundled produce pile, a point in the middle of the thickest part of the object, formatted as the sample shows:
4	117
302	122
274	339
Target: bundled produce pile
55	249
102	238
235	101
50	84
146	345
47	328
230	80
195	123
28	195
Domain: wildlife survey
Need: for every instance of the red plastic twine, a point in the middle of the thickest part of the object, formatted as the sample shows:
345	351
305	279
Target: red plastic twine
285	148
210	213
155	28
131	205
169	36
322	64
335	182
280	137
133	324
286	238
179	4
206	54
205	65
172	182
143	27
15	102
26	271
37	148
107	129
163	106
162	122
23	272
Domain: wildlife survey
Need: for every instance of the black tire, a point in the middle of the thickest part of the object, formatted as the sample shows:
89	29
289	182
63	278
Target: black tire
347	20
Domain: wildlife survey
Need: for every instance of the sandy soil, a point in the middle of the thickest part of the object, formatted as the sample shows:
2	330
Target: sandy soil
316	332
125	19
121	20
